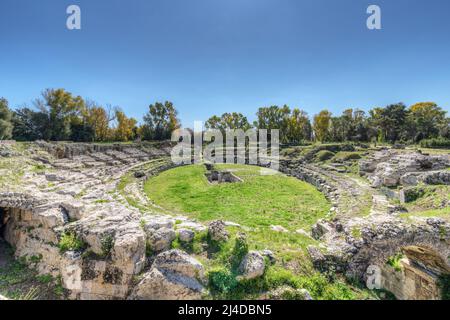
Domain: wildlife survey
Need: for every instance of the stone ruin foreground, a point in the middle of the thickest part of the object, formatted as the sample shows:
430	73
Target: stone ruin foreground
76	194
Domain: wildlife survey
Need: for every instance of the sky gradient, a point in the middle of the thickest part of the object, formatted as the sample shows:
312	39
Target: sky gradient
214	56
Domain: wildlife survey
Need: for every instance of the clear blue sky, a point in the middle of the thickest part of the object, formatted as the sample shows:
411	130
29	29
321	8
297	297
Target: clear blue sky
213	56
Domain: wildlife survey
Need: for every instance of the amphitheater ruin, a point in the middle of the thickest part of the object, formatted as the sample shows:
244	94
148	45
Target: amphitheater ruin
76	192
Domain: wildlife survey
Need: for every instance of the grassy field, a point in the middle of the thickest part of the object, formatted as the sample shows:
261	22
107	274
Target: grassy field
258	201
431	203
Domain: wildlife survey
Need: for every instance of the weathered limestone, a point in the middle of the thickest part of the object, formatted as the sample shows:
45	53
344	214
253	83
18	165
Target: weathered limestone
289	293
174	275
320	228
217	231
252	266
186	235
278	229
160	239
222	177
72	197
390	168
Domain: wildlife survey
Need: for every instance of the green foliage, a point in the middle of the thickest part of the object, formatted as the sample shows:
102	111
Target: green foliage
356	233
107	244
310	152
324	155
352	125
239	251
394	261
45	278
160	121
390	122
35	258
274	117
69	241
6	126
196	246
58	290
222	281
436	143
63	116
347	156
426	120
321	125
29	125
223	284
230	121
16	272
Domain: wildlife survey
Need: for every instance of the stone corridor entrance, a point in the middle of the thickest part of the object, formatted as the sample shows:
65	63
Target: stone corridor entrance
4	217
4	257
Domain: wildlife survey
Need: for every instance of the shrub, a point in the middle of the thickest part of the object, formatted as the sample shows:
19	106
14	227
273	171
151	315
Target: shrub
310	154
347	156
45	278
394	262
436	143
222	281
107	243
239	251
69	241
324	155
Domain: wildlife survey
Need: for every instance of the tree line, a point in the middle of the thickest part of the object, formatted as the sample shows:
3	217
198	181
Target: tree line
59	115
392	124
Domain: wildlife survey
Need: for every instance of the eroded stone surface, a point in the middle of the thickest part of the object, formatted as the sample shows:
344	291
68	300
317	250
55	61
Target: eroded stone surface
174	275
252	266
77	195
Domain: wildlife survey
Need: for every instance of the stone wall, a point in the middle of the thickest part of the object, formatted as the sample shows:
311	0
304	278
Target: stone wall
410	283
379	243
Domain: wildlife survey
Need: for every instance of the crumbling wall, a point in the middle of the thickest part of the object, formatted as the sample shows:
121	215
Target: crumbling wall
34	228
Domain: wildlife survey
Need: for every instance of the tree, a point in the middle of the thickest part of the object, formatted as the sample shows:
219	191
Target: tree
160	121
214	122
274	117
6	126
390	122
61	108
337	131
425	120
29	125
353	125
321	125
444	128
230	121
298	127
98	119
126	127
